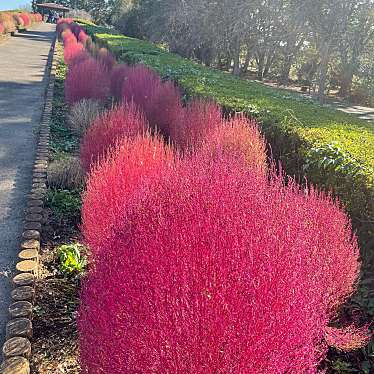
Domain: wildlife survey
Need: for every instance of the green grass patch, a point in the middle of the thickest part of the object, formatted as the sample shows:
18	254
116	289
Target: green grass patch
63	141
66	204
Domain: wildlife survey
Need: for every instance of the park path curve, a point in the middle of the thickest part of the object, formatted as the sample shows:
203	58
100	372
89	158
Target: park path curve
23	80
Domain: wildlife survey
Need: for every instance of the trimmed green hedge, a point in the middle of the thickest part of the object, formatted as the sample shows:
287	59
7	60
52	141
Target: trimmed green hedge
333	149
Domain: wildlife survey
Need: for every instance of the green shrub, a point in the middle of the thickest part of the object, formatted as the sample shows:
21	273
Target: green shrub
299	130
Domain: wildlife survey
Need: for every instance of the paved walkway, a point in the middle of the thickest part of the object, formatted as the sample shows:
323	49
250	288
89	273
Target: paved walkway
365	113
362	112
22	83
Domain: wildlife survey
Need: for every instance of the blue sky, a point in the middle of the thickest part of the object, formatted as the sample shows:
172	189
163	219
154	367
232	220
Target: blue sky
13	4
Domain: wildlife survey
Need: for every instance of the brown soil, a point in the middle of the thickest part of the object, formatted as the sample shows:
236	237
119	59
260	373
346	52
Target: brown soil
55	340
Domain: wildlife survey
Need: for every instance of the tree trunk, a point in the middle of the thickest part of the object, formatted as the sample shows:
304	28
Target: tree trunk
248	57
260	65
236	68
269	62
346	82
324	65
285	75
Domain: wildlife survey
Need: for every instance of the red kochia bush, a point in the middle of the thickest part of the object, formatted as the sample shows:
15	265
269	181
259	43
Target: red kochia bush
139	86
196	121
164	107
117	78
105	58
83	37
238	136
68	38
160	101
122	121
116	180
86	80
2	29
212	269
26	19
74	52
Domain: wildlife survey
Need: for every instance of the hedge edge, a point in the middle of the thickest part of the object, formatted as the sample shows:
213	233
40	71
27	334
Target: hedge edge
17	347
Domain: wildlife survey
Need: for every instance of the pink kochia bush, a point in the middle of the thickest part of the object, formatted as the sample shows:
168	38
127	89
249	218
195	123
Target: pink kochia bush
25	18
73	51
160	101
117	179
87	79
237	136
82	37
208	267
63	24
164	107
139	86
117	78
196	121
106	58
122	121
68	37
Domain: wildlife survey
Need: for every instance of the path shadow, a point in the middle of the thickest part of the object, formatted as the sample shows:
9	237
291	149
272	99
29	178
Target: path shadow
35	35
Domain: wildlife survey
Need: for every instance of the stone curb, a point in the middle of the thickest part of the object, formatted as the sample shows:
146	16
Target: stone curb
16	350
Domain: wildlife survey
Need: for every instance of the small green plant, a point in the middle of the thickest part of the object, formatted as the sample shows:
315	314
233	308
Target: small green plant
66	204
72	259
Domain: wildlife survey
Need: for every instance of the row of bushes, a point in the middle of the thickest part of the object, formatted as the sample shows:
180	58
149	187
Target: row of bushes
330	148
202	260
12	21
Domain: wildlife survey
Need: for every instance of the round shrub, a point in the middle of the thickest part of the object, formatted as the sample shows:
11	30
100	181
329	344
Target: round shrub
237	136
139	86
26	19
68	38
7	20
86	80
65	174
74	52
117	77
82	37
116	179
121	121
211	268
196	120
164	107
105	58
63	24
18	21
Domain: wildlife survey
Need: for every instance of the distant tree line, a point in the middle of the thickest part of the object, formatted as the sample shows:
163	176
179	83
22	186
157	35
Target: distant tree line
329	41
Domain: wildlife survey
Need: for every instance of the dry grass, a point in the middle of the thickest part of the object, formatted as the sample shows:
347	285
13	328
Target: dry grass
82	114
65	174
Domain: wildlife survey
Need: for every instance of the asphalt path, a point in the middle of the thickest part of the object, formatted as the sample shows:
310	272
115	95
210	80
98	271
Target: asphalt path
23	61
